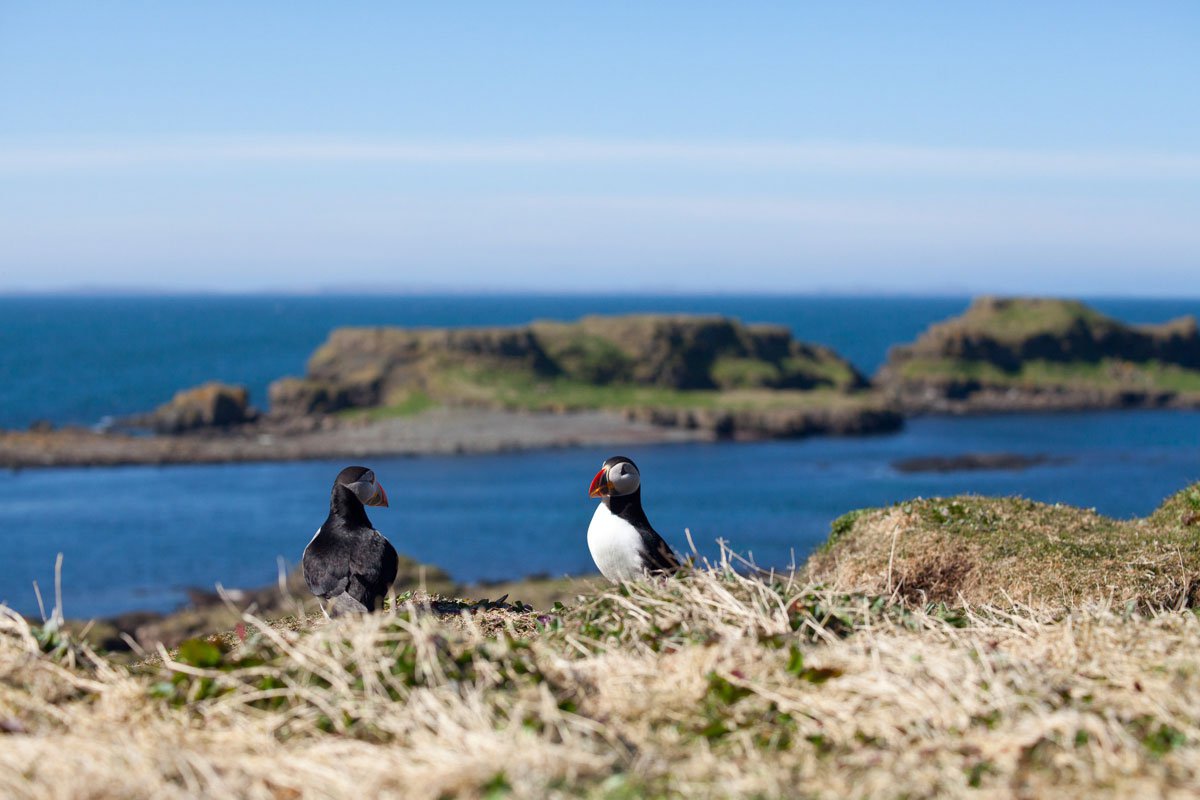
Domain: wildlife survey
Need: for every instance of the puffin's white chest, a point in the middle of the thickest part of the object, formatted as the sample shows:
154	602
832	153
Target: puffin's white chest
616	546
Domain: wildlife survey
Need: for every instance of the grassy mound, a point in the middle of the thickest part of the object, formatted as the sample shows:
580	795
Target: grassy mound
709	685
998	551
1022	353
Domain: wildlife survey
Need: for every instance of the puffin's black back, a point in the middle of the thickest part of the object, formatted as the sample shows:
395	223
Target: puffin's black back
348	556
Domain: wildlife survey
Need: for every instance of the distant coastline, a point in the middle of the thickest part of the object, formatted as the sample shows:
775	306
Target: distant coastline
642	378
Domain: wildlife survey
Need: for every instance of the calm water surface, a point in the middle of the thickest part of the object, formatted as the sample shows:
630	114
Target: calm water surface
135	537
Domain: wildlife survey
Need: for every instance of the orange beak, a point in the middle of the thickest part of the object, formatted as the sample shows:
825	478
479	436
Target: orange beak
379	498
600	486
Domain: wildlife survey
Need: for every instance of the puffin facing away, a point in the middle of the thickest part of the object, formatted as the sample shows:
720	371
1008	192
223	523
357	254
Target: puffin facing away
623	544
349	564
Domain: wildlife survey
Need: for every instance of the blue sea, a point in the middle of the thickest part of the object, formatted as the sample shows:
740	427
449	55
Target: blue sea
138	537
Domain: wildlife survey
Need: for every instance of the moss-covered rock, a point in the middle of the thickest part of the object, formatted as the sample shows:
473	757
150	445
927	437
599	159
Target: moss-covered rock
210	405
1015	354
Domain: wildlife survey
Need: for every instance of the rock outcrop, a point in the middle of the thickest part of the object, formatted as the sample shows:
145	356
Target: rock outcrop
210	405
1026	354
689	353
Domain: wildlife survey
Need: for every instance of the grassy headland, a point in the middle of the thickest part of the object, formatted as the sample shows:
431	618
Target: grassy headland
712	684
1032	354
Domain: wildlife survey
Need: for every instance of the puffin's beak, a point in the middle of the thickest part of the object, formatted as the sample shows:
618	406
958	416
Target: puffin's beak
379	498
600	485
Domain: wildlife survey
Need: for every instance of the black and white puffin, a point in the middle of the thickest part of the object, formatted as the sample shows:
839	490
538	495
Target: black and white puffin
623	543
348	563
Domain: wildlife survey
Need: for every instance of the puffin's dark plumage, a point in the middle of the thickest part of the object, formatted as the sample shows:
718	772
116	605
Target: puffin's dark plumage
348	563
622	541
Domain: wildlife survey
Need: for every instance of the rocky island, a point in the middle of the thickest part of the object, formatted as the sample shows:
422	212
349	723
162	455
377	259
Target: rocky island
397	391
1027	354
708	373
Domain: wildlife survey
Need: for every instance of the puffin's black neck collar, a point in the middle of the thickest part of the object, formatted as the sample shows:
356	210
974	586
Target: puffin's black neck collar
345	506
629	508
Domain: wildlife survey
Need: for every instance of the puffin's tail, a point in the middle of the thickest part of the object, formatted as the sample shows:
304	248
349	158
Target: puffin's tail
343	604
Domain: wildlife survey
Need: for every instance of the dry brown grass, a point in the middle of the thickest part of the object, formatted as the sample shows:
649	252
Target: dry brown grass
1000	551
710	685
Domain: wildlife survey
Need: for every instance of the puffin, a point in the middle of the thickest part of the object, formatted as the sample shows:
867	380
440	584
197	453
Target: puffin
349	564
623	543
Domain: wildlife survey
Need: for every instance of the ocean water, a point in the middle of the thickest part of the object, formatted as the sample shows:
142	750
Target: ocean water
137	537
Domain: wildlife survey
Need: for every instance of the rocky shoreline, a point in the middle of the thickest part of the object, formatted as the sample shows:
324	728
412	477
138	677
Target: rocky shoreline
440	431
971	398
435	432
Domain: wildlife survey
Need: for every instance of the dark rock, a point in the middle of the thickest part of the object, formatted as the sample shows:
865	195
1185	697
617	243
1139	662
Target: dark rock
297	397
111	637
974	461
778	423
210	405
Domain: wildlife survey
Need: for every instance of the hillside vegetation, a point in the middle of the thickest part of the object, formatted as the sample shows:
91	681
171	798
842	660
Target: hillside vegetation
1029	353
716	683
999	551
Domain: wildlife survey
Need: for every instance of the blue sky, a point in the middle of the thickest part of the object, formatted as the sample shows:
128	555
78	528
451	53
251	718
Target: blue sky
915	147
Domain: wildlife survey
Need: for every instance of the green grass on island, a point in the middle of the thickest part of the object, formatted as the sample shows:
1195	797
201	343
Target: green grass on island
516	391
1024	346
406	404
1066	667
1103	374
1018	320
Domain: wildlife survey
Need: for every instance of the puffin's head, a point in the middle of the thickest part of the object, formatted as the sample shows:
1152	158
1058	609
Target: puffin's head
617	476
362	484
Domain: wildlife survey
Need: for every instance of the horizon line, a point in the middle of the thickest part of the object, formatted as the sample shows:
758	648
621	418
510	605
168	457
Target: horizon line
134	292
798	155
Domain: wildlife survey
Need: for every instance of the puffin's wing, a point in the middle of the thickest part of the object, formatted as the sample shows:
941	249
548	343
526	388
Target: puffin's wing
391	563
375	563
326	571
657	555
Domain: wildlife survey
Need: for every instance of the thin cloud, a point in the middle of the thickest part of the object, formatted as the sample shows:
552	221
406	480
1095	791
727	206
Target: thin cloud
816	157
